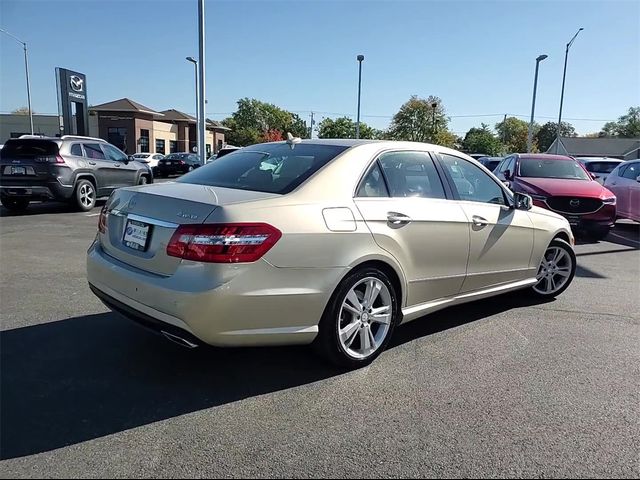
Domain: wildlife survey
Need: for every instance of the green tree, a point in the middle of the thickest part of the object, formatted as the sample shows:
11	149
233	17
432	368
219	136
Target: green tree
418	120
22	111
627	126
513	133
344	127
547	134
482	140
255	121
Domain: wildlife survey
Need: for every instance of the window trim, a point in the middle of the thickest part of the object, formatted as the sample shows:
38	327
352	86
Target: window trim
448	193
509	202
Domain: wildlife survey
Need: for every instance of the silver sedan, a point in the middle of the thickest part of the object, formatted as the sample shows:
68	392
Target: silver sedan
330	242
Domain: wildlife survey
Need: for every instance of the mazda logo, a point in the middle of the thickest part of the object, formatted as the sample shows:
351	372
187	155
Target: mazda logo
574	203
76	82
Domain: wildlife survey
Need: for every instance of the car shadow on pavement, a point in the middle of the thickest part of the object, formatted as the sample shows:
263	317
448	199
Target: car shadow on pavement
65	382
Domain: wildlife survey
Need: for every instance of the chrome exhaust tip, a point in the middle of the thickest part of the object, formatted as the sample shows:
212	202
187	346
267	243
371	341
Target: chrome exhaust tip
179	340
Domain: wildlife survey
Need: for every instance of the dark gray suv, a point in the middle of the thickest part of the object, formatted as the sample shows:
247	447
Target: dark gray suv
70	168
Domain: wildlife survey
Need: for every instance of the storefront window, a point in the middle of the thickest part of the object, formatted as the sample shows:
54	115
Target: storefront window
144	141
117	136
160	146
173	146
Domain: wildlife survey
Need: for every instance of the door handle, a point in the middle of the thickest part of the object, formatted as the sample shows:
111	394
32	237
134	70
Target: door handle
479	221
396	218
92	163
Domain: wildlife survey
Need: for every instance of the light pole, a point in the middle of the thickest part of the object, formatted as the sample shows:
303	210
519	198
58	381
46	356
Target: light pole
26	68
360	59
433	119
201	95
195	65
533	103
566	54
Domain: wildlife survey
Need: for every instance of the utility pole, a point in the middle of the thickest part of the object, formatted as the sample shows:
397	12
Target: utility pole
564	76
504	129
360	58
201	97
311	127
26	68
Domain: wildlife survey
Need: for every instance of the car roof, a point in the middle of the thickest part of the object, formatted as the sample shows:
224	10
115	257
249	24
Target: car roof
599	159
544	156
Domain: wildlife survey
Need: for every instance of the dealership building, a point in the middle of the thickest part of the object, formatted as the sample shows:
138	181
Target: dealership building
129	125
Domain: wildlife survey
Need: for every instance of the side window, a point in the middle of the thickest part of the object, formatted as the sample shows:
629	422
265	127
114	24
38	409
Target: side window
113	153
76	149
508	164
632	171
472	183
373	184
411	174
93	150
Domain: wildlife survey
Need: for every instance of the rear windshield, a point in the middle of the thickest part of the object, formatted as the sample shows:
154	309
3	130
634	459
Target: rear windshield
29	148
601	167
272	167
177	156
539	168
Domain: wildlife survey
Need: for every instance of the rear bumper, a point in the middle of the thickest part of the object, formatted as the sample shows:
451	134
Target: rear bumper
244	305
36	190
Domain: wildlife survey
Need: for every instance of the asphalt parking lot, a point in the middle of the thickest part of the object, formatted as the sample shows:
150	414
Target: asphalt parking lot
504	387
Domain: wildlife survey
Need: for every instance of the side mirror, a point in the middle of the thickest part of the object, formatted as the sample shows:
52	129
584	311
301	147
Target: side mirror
522	201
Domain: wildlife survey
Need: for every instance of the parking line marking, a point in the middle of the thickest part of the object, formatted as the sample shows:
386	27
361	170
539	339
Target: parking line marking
92	214
624	238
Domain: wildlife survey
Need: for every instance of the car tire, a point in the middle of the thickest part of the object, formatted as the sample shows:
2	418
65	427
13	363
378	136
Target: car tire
15	204
190	169
349	336
558	265
143	180
85	195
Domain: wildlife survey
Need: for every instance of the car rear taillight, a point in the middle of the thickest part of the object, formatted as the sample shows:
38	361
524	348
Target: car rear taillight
223	242
181	162
102	220
59	159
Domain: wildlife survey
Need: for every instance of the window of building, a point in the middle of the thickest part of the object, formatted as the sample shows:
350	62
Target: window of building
219	144
173	146
117	136
159	146
144	140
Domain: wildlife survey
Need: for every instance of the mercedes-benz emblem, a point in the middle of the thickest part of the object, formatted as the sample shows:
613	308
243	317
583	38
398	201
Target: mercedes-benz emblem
76	82
574	203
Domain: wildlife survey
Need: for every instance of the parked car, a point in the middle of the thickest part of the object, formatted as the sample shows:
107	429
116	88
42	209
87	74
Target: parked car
69	168
477	156
178	163
151	159
600	167
222	152
624	182
336	246
562	184
490	162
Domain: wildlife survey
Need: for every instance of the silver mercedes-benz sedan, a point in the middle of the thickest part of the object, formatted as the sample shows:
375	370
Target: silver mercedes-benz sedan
330	242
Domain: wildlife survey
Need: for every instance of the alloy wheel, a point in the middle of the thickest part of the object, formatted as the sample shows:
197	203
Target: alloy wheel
554	272
86	194
365	318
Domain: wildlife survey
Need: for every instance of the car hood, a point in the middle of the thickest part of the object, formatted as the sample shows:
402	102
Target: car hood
552	187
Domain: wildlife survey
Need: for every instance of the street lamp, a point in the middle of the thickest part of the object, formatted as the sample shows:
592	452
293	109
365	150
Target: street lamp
195	64
566	54
360	59
26	68
434	105
533	103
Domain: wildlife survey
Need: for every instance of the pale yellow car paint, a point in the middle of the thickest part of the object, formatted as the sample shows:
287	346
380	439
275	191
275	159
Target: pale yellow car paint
438	258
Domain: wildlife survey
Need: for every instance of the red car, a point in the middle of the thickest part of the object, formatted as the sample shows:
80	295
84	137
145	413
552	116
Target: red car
563	185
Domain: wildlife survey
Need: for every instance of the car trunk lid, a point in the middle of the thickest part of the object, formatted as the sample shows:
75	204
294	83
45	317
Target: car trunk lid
141	220
25	160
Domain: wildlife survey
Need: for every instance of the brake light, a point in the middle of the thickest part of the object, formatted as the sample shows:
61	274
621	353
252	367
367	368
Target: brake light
223	243
59	159
102	220
181	162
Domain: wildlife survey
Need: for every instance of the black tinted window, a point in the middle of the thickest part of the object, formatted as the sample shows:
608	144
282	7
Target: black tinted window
29	148
373	184
471	182
93	150
411	174
601	167
275	167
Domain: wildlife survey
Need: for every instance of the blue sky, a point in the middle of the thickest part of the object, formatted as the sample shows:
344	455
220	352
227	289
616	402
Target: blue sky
479	57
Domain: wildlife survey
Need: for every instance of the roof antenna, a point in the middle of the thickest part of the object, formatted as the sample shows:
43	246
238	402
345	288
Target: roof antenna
291	140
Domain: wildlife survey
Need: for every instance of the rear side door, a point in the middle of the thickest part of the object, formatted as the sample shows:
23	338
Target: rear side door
626	188
501	237
103	169
404	203
125	171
